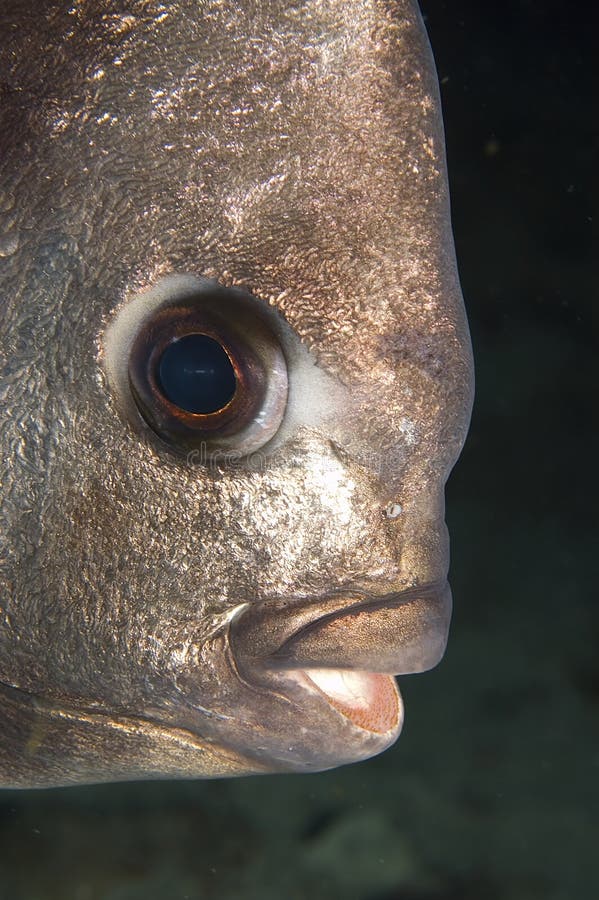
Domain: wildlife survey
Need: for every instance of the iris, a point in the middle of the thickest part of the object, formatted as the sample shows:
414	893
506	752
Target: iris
196	374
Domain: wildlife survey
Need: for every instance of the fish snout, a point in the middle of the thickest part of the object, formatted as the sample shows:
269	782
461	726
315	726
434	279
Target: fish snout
342	651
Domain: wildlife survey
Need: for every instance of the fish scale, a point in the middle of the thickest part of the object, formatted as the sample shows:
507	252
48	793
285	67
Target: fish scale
229	591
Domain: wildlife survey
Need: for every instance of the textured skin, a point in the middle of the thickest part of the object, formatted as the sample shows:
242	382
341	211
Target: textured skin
293	149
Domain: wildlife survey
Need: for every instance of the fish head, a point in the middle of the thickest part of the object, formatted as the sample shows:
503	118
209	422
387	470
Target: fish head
195	591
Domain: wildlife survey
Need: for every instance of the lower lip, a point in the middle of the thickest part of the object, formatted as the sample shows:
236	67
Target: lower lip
369	700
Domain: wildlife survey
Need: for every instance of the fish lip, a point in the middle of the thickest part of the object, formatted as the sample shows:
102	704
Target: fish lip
397	632
371	604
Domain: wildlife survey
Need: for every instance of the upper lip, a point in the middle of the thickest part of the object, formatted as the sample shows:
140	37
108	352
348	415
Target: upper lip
397	632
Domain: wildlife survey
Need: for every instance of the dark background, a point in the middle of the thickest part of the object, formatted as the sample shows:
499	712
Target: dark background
492	791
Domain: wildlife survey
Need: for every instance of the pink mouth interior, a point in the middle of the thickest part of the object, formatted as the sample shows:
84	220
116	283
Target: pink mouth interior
369	700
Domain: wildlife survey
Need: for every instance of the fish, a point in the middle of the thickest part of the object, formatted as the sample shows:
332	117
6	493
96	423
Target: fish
236	373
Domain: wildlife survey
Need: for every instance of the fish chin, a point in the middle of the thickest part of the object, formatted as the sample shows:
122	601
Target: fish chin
359	715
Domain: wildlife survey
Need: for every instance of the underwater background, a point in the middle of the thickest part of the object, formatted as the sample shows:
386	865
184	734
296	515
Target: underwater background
492	792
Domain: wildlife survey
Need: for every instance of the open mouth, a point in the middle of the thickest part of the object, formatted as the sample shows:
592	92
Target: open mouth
347	648
369	700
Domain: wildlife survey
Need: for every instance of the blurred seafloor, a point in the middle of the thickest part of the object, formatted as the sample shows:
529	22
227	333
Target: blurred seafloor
492	791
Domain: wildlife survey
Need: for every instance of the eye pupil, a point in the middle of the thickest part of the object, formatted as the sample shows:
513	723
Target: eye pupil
196	374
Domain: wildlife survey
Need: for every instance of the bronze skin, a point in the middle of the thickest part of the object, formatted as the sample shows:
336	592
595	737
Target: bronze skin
227	591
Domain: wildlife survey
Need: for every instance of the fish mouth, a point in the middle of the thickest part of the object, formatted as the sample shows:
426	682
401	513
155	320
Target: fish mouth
347	647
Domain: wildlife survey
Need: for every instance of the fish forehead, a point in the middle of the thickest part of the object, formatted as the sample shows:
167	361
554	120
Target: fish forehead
291	149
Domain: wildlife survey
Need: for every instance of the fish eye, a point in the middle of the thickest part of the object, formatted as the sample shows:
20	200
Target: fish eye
210	371
197	375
